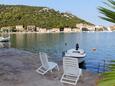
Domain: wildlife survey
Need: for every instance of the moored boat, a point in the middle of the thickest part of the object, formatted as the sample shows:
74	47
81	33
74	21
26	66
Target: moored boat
4	39
80	54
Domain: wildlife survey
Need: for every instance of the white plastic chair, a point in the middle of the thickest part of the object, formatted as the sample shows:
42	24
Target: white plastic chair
46	66
72	71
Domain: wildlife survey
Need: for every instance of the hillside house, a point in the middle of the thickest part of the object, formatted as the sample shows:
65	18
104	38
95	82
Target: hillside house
112	28
75	30
20	28
67	30
99	28
53	30
6	29
41	30
31	28
85	27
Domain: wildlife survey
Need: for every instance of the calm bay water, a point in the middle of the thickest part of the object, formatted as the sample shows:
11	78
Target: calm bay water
54	45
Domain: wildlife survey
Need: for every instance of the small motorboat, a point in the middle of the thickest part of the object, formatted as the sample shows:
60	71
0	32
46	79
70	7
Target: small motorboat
5	39
5	44
80	54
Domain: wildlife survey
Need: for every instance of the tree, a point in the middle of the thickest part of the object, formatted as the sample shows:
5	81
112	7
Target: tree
109	13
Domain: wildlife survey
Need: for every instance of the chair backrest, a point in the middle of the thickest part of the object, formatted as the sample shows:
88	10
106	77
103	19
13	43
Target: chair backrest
70	66
44	59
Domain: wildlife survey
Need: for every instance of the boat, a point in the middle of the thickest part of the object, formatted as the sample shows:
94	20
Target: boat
5	39
5	44
80	54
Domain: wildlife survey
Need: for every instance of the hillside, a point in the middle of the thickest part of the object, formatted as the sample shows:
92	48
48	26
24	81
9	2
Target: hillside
11	15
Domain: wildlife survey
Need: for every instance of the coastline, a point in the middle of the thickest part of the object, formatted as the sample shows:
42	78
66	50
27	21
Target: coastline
39	32
18	69
56	32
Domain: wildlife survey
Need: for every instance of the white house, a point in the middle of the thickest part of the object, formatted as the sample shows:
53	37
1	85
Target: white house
41	30
67	30
20	28
31	28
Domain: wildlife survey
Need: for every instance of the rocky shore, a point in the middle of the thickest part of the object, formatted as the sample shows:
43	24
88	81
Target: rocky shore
17	68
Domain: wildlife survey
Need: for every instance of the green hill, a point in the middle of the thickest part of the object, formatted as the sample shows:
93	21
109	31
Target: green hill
11	15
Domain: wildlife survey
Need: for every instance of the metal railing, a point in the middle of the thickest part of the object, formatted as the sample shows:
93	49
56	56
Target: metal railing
100	67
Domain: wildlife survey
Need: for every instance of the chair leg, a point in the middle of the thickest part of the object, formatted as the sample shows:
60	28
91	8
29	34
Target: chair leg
57	67
62	84
81	73
51	71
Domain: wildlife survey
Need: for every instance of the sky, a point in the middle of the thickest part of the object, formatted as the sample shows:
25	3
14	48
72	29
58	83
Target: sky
85	9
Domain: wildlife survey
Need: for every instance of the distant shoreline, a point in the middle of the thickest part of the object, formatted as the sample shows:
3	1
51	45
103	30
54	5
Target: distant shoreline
39	32
54	32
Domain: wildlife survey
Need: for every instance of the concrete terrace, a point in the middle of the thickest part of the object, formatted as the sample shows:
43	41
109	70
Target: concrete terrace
17	68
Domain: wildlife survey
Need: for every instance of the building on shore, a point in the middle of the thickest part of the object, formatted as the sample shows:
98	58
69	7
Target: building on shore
91	28
6	29
99	28
67	30
53	30
41	30
85	27
20	28
112	28
79	27
75	30
31	28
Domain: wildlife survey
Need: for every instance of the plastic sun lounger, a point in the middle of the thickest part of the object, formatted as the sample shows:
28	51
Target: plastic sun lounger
72	71
46	66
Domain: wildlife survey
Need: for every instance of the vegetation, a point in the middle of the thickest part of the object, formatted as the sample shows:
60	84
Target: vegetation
11	15
109	13
109	77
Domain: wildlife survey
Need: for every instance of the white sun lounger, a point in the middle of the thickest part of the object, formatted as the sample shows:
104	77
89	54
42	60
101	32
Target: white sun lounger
72	71
46	66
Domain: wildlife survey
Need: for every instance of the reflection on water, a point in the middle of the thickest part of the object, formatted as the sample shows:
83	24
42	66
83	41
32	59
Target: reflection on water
55	43
5	44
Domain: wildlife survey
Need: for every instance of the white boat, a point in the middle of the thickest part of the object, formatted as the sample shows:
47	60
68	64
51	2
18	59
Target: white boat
4	39
5	44
80	54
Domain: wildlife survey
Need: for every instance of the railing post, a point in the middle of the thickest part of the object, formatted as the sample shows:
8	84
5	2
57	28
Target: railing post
104	66
98	71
